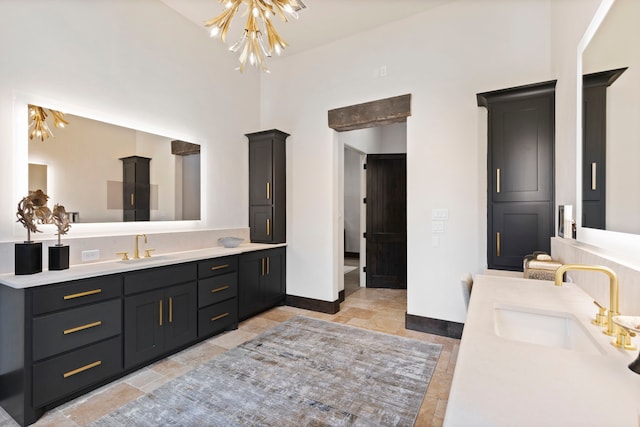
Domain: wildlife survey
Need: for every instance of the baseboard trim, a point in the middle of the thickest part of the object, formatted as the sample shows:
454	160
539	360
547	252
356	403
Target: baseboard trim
313	304
352	255
443	328
341	296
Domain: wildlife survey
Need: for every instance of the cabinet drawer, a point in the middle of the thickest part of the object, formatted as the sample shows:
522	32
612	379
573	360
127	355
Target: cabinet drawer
66	330
216	318
217	266
155	278
217	288
72	294
63	375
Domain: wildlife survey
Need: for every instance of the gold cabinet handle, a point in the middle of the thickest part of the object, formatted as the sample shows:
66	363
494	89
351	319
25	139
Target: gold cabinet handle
594	175
82	369
221	288
498	243
262	266
160	316
268	190
219	267
82	294
132	199
170	310
268	227
268	264
218	317
498	180
81	328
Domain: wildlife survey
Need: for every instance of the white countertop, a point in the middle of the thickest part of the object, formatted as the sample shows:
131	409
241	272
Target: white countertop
82	271
502	382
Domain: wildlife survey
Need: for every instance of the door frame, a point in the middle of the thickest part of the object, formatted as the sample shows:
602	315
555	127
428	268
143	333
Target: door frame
359	116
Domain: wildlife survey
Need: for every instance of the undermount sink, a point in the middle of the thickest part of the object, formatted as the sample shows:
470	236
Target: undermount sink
547	328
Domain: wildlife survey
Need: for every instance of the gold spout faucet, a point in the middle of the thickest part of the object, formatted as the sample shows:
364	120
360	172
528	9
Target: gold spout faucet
614	309
136	251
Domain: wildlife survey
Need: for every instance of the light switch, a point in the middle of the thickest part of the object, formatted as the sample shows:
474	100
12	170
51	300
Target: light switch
437	226
440	214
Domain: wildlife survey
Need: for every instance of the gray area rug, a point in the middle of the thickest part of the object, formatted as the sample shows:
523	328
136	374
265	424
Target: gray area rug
303	372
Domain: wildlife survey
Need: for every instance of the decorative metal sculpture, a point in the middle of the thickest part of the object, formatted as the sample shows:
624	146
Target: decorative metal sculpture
61	220
33	210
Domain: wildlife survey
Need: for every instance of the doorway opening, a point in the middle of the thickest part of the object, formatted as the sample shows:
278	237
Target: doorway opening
373	114
383	147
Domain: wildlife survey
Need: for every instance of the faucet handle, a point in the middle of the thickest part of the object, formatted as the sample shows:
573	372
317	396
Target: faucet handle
601	316
147	253
623	339
125	255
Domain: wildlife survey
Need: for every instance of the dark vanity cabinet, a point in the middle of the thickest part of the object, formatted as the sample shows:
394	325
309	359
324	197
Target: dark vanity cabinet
57	340
60	340
594	146
267	186
136	188
520	172
160	312
217	295
262	281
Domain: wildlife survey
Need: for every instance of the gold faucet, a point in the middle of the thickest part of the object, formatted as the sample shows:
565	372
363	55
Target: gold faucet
136	251
613	289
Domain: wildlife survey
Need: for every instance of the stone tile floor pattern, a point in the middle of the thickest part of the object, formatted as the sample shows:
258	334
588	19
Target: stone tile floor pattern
375	309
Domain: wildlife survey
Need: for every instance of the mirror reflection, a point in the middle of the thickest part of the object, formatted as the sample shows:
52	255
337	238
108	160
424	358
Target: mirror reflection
614	47
106	173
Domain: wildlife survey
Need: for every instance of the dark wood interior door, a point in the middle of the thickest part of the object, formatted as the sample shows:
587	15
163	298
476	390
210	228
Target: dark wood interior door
386	221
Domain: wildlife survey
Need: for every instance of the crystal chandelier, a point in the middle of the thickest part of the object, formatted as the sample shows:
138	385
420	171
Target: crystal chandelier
252	44
39	127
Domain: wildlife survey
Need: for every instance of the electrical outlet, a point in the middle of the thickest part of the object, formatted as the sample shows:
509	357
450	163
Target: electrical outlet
92	255
437	226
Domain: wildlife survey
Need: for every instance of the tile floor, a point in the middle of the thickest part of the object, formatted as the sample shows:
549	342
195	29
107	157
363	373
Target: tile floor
376	309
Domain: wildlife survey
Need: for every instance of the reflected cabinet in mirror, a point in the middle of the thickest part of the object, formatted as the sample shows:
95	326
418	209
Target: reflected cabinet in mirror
611	122
106	173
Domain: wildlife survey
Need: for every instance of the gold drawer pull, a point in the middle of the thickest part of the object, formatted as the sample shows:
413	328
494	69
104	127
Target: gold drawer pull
170	310
160	311
82	369
268	227
268	190
498	244
221	288
82	328
82	294
219	267
218	317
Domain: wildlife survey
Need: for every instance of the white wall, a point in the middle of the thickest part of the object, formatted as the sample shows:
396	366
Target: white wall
133	63
443	58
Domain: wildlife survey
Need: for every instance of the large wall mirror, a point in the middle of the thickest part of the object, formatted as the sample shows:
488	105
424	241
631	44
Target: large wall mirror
614	46
83	167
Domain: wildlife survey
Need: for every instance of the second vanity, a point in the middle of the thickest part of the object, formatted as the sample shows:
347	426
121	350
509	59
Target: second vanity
529	356
63	333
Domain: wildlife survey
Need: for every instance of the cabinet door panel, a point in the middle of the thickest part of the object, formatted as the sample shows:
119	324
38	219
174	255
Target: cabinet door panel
70	329
261	167
143	327
273	283
73	294
216	289
249	286
217	318
60	376
181	315
523	229
261	224
521	147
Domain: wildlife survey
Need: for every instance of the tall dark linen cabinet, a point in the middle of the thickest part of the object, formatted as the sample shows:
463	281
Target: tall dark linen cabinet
136	189
267	186
520	175
594	146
